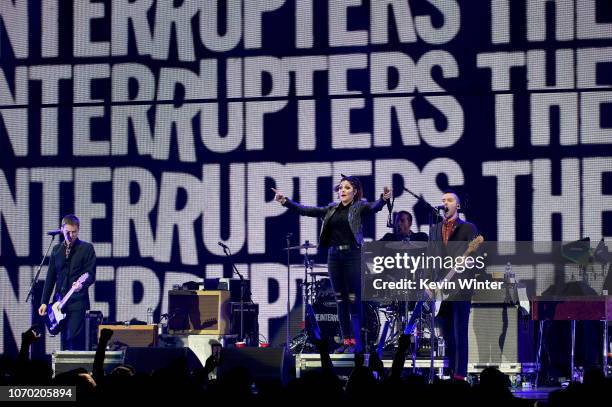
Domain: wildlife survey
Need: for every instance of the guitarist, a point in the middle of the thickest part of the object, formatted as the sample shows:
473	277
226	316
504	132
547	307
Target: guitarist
68	261
454	313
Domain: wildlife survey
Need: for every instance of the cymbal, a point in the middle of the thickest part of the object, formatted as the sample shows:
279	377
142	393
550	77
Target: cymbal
408	245
302	246
319	274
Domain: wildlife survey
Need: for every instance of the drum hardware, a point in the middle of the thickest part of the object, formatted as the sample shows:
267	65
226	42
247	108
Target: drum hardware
307	245
320	308
405	245
302	342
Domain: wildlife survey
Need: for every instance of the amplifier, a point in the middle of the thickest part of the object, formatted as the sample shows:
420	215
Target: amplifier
140	336
204	312
93	319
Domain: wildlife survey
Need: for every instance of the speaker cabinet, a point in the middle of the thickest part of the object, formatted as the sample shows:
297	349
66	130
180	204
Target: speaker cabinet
250	322
493	336
204	312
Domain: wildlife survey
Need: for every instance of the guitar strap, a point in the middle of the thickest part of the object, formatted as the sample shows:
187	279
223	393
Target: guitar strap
65	270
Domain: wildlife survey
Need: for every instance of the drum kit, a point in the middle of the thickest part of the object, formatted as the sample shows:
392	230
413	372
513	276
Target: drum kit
319	303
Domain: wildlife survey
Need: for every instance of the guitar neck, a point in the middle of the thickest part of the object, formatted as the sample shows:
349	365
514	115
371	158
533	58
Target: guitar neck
66	298
453	271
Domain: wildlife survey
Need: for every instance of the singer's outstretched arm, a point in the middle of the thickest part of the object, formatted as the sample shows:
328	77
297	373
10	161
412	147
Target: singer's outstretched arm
312	211
372	207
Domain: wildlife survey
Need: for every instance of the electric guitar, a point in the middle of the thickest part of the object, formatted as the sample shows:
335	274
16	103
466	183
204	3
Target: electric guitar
441	294
437	296
55	316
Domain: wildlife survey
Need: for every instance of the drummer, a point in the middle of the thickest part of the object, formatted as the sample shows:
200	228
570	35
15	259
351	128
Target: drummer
402	224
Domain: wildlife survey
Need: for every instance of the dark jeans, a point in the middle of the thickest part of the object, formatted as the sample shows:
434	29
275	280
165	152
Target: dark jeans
453	320
344	268
73	334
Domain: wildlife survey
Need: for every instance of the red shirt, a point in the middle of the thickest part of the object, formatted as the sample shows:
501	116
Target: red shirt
447	230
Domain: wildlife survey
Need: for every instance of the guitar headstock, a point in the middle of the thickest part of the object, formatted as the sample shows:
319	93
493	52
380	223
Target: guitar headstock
83	278
475	243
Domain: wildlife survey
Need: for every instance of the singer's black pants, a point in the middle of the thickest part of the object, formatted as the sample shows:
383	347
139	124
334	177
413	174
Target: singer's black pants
344	268
453	320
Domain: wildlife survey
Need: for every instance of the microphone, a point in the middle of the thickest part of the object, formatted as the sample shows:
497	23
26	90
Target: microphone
222	245
441	207
54	232
390	203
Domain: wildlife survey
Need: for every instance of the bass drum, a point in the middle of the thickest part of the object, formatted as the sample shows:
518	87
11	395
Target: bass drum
326	313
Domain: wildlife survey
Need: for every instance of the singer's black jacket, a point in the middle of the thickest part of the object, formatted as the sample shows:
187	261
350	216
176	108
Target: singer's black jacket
357	210
461	235
63	272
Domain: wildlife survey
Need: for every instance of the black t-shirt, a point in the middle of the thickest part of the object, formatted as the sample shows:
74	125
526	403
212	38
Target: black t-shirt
341	233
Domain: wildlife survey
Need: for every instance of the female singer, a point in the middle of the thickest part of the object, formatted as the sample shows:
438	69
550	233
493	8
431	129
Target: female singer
342	235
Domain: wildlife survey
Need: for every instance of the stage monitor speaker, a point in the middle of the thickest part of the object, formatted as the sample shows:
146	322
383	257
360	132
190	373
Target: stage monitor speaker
148	360
199	312
131	335
66	360
264	364
493	335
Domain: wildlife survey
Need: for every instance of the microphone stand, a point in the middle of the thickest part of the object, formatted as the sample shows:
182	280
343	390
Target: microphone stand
288	322
432	211
227	252
390	204
39	269
432	236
